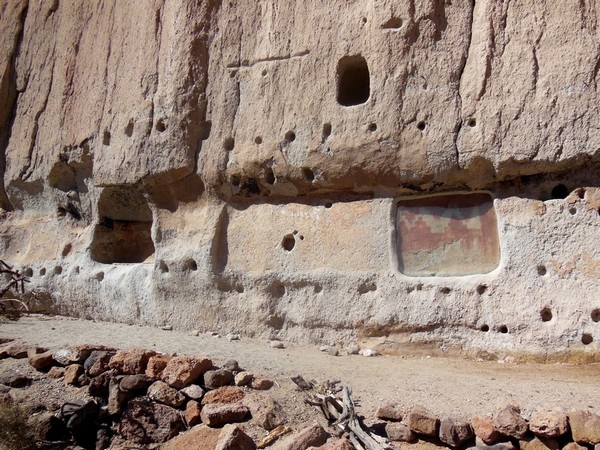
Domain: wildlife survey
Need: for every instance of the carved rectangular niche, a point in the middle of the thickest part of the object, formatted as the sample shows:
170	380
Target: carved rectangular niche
447	235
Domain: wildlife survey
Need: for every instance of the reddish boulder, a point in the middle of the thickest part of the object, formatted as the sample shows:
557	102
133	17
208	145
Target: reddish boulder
192	414
422	421
225	394
40	361
131	361
181	371
215	415
156	365
72	374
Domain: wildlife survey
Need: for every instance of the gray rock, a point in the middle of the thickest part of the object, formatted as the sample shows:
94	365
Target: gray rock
214	379
243	378
163	393
399	432
193	391
139	382
14	379
232	365
455	433
117	398
97	362
508	421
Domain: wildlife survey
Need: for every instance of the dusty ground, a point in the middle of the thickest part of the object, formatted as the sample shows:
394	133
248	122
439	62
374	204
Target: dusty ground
444	385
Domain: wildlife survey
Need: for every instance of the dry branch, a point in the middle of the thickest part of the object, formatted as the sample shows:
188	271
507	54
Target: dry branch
341	412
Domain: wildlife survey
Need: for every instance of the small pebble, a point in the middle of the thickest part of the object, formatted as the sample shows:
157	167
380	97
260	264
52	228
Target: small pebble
233	337
276	344
194	333
333	351
167	327
353	349
368	352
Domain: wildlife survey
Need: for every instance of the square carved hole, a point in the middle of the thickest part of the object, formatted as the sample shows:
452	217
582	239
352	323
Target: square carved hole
447	235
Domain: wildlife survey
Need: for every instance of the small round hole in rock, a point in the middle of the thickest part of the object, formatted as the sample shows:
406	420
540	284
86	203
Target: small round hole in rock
269	176
372	127
580	193
472	122
163	267
190	265
421	125
317	288
161	125
559	191
58	270
278	290
481	289
445	290
290	136
485	328
546	315
239	288
595	315
264	73
28	272
289	242
42	271
572	210
235	180
586	339
328	205
229	144
503	329
99	276
67	249
541	270
326	131
308	174
258	140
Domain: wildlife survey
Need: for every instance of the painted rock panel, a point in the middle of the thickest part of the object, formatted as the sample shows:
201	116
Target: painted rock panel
447	235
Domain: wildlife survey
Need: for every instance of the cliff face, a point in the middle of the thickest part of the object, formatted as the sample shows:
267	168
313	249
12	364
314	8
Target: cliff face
401	173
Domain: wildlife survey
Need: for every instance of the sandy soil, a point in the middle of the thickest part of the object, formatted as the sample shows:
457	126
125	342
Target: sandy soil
444	385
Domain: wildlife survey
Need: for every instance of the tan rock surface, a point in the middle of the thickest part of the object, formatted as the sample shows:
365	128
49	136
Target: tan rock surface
229	165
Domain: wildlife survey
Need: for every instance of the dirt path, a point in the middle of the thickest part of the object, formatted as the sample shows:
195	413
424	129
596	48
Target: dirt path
444	385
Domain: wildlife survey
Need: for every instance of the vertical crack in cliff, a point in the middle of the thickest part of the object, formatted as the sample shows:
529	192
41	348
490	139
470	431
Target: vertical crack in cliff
27	170
12	96
206	29
463	67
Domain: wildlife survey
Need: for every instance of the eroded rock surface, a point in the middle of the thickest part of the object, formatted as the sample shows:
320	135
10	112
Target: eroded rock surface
264	166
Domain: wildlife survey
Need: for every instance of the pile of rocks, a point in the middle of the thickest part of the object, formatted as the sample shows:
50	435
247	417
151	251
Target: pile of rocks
508	428
143	398
140	395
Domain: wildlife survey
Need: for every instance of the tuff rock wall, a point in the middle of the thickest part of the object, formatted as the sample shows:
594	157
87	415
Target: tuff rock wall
409	175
